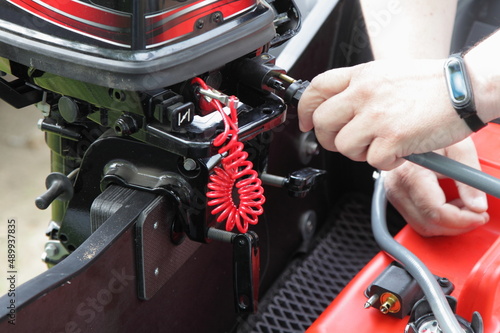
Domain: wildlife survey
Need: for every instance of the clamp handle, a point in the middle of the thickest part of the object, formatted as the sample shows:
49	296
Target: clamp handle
246	267
58	187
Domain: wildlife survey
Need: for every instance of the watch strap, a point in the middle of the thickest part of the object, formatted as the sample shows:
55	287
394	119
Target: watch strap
466	109
474	122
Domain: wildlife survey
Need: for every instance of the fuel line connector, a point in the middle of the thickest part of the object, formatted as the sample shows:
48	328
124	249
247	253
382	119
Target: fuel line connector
294	91
262	73
395	291
423	320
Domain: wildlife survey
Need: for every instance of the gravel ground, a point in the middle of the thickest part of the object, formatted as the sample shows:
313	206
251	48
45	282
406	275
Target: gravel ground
24	164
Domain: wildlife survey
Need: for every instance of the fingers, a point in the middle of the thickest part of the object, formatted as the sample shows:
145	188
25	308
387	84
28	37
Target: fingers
416	194
379	111
454	220
354	111
322	88
327	124
329	107
365	145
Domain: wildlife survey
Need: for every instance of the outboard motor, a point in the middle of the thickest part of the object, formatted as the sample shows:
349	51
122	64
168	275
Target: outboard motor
162	109
154	73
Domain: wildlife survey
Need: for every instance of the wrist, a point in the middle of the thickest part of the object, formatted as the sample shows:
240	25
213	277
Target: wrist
460	92
485	79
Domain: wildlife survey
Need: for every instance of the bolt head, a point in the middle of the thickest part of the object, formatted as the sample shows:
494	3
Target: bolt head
217	17
125	125
189	164
443	282
51	250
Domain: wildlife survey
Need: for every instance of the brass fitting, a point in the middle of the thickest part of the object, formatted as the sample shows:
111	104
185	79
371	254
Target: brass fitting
390	303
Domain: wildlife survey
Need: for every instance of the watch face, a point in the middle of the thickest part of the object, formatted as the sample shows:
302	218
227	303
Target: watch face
457	83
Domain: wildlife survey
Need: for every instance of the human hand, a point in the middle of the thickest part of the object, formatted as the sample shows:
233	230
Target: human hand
382	111
415	192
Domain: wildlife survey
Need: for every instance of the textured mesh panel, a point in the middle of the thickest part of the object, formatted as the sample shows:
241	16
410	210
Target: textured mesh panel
309	285
108	203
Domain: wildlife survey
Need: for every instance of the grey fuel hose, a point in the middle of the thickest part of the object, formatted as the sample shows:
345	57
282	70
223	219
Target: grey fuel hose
458	171
452	169
437	300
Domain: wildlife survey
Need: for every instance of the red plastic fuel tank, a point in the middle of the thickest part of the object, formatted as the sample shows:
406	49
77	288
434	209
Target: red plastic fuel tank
471	261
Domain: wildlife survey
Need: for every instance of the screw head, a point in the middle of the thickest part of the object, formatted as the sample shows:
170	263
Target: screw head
200	23
217	17
157	271
443	282
189	164
51	250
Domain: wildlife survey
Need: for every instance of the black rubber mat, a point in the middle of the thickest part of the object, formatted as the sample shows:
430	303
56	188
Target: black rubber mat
310	284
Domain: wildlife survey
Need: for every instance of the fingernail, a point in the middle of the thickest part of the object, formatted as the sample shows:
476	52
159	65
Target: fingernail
480	203
486	217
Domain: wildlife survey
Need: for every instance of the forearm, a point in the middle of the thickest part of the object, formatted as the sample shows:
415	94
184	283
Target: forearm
381	111
484	70
411	29
423	29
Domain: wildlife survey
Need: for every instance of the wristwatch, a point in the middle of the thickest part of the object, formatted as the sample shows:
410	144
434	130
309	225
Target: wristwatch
460	91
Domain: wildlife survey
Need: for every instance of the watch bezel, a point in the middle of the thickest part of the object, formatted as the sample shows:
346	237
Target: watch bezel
452	84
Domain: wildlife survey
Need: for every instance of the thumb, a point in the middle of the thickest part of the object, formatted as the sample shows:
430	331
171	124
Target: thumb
465	152
472	198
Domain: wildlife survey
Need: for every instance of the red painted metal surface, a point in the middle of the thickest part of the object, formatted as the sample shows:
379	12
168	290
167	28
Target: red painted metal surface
471	261
172	24
165	25
82	18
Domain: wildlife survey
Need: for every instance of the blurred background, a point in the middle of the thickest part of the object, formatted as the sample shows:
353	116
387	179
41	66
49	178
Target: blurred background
24	164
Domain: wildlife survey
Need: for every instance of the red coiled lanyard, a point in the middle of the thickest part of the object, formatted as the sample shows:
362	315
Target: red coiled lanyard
237	173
